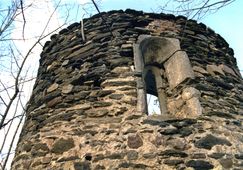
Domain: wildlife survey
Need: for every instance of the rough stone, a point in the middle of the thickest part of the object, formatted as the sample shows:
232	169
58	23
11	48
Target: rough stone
52	87
213	69
200	164
67	88
173	162
189	93
62	145
239	156
54	101
134	141
227	163
209	141
173	153
132	155
178	69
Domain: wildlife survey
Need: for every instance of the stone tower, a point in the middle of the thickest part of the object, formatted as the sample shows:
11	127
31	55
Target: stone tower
89	111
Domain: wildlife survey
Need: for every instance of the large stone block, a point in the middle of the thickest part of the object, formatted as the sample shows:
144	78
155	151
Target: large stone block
178	69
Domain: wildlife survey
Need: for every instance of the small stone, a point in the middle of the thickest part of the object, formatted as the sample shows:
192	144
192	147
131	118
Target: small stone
209	141
200	70
46	160
65	62
190	92
116	156
134	141
54	101
169	131
97	113
82	166
199	164
132	155
198	156
178	143
101	104
212	69
62	145
155	123
149	155
52	87
116	96
239	156
174	153
27	147
41	146
84	106
104	93
67	158
186	131
126	46
194	107
99	167
228	70
67	88
120	70
216	155
173	162
226	163
189	32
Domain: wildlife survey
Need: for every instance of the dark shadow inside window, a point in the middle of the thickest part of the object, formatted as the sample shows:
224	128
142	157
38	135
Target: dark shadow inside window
152	94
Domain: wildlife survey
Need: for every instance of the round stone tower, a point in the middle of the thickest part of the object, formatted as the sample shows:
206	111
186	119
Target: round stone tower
88	109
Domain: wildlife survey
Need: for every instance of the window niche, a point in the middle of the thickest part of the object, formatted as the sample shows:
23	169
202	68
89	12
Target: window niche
159	64
153	85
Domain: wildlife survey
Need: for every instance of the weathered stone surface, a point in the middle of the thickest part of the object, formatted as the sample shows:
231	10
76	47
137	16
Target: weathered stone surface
200	70
190	92
82	166
52	87
54	101
134	141
199	164
173	162
97	113
213	69
178	69
194	107
228	70
79	107
173	153
62	145
227	163
209	141
239	156
132	155
67	88
216	155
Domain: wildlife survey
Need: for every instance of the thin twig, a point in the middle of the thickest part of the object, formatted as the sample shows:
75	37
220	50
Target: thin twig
108	26
22	11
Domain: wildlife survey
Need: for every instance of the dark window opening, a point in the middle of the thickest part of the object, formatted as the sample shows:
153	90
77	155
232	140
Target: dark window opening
153	103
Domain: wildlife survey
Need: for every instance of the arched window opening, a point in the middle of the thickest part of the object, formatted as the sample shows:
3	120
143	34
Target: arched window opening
155	94
151	94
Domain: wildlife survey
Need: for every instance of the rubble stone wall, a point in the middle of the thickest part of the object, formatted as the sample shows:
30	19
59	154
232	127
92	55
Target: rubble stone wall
83	112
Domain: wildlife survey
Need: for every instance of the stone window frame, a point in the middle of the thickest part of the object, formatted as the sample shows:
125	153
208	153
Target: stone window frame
151	52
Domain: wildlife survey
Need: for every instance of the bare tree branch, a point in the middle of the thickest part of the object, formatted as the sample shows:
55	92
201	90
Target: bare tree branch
22	11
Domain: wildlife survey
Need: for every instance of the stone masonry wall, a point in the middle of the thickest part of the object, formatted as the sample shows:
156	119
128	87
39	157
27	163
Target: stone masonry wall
83	110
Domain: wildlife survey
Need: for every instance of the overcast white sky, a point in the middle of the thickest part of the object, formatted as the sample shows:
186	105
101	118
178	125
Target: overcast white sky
227	22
